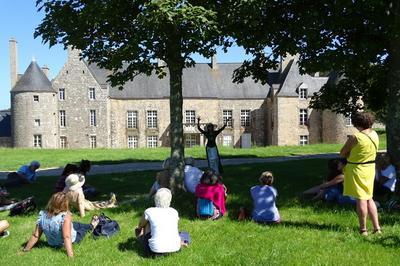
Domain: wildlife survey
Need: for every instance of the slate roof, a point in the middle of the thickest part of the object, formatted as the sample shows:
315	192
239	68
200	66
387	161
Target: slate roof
292	79
200	81
5	123
33	80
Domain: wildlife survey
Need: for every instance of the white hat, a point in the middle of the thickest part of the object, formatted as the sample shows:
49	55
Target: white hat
74	182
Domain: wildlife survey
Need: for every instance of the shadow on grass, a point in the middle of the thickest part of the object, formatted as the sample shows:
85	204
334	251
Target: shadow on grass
314	226
387	241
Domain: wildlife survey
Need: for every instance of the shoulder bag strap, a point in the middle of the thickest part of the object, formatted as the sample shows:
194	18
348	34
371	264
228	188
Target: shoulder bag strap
373	142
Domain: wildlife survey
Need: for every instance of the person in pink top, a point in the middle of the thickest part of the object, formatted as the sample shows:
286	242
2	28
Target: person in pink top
211	194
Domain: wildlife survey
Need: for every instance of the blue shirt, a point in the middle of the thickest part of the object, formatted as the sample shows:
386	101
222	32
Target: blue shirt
27	172
264	198
52	228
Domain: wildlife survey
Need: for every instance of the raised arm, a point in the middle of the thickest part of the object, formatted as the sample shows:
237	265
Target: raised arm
198	126
223	127
34	239
66	232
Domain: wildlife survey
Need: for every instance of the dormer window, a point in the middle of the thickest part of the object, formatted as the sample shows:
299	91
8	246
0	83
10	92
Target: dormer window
303	91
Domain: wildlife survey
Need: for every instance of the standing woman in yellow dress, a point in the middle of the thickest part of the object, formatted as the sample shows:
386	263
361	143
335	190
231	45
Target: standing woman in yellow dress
359	173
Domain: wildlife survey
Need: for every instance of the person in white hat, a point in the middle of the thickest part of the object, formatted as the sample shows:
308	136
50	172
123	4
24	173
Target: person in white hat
76	198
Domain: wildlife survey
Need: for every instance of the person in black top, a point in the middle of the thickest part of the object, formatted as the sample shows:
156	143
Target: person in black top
211	134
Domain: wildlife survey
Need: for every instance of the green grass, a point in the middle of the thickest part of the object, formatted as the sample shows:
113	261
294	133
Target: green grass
311	233
12	159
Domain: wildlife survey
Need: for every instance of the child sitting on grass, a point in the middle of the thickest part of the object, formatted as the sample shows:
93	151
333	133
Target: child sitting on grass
56	223
264	200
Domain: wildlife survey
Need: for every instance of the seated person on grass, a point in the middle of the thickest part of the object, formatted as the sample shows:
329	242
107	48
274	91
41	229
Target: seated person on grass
158	227
57	225
26	174
332	189
162	178
68	169
385	177
264	200
211	194
192	175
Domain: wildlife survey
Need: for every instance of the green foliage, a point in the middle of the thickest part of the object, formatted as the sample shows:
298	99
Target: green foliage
312	233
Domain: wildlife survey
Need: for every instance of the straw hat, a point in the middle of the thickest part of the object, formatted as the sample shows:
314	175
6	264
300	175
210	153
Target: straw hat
74	182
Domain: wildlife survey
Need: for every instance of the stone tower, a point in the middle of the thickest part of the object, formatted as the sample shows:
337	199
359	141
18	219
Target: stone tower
33	110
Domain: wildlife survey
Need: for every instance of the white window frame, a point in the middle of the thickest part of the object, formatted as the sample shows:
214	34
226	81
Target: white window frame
93	141
303	140
190	140
36	98
303	116
37	141
151	118
190	117
61	94
37	122
245	115
347	121
133	142
152	141
92	118
62	118
63	142
131	119
227	140
227	115
303	92
92	94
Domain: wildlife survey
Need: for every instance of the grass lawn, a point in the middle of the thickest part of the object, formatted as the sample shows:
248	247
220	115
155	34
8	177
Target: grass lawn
12	159
311	233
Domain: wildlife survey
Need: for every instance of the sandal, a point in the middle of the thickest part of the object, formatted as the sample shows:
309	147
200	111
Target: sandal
364	232
377	231
95	221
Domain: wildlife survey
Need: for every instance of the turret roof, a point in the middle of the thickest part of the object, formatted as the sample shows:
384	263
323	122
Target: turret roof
33	80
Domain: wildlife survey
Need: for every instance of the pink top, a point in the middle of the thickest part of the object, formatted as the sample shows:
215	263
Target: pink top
215	193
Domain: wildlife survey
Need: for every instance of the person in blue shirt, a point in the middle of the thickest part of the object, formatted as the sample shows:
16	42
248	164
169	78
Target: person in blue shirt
26	174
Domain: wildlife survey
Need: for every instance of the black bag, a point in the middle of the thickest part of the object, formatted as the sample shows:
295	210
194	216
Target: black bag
23	207
106	227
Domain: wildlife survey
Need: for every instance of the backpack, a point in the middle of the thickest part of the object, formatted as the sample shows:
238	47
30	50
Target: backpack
106	227
23	207
205	207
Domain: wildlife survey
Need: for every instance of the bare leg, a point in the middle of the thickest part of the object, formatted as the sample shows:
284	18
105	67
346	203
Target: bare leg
373	215
3	225
362	211
313	190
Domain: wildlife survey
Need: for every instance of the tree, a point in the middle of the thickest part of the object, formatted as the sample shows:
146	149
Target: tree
357	40
128	36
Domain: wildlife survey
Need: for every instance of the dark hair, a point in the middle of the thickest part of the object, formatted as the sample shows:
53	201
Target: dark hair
267	178
209	126
363	120
84	166
70	169
333	170
209	177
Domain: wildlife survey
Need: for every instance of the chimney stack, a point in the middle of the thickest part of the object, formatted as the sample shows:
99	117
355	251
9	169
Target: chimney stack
214	64
13	61
45	70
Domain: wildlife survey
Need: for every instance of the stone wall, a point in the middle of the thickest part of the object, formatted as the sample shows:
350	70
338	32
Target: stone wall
5	142
334	128
76	79
24	112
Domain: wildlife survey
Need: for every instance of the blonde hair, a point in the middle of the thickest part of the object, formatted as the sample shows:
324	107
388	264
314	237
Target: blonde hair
58	203
163	197
267	178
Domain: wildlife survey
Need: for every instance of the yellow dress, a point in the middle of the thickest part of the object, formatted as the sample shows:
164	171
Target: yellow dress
359	178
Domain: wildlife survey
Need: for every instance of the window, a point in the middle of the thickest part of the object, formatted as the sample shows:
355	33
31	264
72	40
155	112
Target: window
63	142
37	141
303	140
152	119
132	142
37	122
303	93
303	117
347	121
227	141
132	118
93	143
190	117
152	141
245	118
93	118
227	117
190	140
61	94
62	118
35	98
92	94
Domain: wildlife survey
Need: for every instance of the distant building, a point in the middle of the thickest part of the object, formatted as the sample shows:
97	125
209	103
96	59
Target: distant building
79	108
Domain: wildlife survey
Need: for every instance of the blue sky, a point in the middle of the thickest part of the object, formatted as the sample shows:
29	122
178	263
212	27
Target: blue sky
18	19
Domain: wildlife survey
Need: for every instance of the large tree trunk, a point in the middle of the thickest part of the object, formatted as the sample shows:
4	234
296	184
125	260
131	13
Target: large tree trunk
393	111
176	128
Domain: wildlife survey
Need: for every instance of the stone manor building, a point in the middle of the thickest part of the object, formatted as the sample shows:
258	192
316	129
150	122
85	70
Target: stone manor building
79	108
